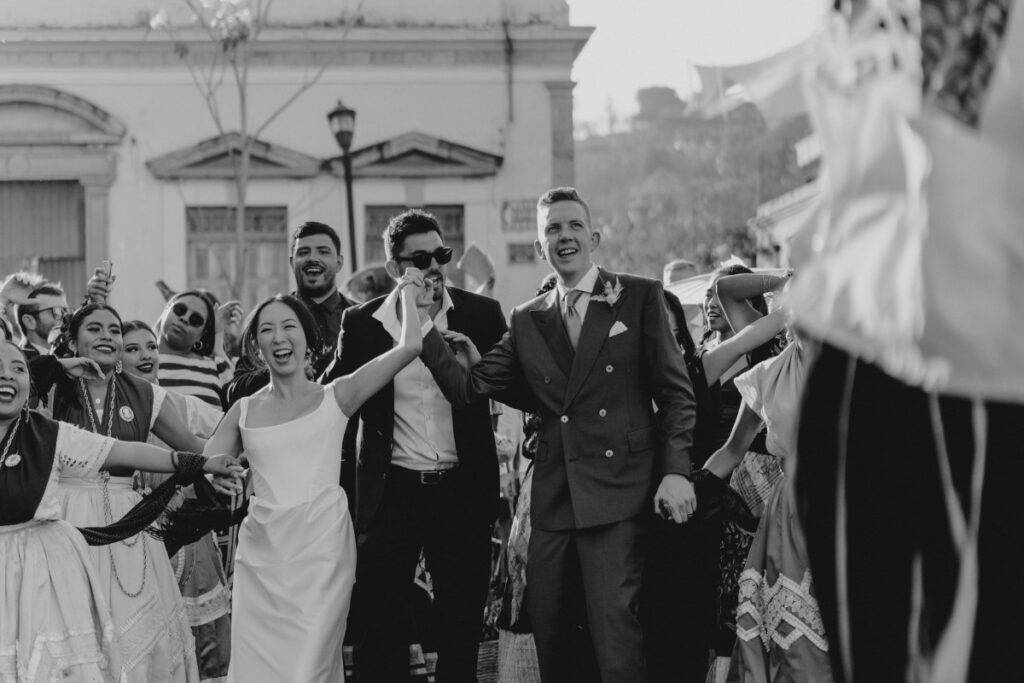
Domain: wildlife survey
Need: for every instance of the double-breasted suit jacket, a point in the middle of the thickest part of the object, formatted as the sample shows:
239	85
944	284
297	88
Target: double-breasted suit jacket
617	414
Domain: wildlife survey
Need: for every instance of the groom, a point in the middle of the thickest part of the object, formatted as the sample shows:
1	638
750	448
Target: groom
592	358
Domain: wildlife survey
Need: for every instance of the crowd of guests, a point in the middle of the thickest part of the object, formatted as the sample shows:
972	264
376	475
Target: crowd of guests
654	531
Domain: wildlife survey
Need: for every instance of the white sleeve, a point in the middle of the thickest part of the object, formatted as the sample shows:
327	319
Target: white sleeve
80	453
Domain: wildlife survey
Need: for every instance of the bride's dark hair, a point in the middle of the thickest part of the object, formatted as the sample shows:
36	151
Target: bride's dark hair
250	343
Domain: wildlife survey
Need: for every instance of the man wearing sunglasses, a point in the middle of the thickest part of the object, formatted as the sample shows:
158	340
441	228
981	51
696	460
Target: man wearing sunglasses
426	475
43	312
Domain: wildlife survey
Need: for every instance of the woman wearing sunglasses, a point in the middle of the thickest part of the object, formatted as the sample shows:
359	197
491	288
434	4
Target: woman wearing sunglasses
187	331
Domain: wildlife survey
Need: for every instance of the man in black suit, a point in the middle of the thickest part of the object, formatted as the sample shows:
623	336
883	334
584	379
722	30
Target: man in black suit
425	474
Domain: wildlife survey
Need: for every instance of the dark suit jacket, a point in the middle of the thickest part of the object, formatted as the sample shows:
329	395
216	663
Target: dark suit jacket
602	447
363	338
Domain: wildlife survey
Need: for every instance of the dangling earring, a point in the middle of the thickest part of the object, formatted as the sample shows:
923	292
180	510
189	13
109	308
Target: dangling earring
118	367
198	347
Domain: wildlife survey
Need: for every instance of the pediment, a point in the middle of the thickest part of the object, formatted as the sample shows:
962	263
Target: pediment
419	155
212	159
40	115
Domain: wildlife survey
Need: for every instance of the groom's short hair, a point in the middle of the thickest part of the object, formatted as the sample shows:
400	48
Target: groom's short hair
564	194
409	222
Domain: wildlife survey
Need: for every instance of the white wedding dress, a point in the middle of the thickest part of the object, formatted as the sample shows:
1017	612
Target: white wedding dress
296	559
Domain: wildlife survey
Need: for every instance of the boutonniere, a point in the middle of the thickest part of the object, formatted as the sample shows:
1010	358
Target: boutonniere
612	292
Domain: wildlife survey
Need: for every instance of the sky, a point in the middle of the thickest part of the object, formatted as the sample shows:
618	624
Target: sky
639	43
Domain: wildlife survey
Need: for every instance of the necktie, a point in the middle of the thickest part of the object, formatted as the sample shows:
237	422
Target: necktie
573	321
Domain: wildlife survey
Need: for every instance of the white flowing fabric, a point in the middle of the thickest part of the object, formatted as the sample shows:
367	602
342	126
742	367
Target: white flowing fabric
296	559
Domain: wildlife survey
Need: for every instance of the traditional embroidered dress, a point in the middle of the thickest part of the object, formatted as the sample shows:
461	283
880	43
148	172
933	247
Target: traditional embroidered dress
135	575
780	634
54	620
197	566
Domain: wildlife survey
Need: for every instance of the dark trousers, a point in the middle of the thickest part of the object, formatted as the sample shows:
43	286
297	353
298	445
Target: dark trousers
897	523
678	598
414	517
582	583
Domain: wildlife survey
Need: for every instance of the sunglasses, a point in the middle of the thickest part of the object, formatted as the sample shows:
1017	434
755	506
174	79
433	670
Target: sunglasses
57	311
195	320
422	259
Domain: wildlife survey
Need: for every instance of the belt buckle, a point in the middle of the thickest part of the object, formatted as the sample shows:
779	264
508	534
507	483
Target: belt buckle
432	477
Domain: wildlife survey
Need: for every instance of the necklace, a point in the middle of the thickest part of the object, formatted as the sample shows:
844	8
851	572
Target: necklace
6	457
91	414
105	477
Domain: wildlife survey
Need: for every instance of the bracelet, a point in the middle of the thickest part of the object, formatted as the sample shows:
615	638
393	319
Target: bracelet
187	463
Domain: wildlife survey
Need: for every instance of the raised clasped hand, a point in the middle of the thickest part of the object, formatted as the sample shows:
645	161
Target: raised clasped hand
675	498
422	289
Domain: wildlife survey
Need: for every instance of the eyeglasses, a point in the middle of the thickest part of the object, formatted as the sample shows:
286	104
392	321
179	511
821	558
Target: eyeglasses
195	320
422	259
56	311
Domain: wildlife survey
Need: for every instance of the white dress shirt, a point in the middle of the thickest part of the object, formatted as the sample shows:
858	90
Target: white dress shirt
586	286
424	437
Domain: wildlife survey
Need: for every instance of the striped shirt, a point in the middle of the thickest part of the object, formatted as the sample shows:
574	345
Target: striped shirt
199	377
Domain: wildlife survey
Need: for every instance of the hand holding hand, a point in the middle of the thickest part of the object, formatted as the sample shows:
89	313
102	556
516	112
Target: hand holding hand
422	290
77	367
675	498
227	473
465	350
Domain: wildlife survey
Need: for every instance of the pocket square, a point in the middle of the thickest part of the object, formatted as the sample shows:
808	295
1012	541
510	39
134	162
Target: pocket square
617	328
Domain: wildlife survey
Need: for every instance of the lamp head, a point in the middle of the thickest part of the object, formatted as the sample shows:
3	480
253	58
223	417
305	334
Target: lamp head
343	124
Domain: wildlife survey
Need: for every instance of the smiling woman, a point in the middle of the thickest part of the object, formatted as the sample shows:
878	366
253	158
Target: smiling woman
295	564
136	579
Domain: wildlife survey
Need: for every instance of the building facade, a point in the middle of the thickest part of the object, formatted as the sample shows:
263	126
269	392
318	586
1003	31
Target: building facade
109	151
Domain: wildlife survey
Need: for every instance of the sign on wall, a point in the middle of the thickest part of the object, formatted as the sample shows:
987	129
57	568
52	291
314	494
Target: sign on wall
519	215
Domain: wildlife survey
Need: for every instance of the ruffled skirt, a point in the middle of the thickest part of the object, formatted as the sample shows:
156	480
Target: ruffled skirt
54	621
779	629
137	581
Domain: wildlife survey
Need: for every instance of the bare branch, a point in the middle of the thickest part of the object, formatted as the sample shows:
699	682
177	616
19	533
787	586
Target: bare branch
309	83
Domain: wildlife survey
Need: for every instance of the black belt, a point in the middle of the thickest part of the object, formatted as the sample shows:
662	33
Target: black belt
425	477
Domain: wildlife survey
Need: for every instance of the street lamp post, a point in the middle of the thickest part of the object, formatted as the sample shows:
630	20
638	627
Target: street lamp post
343	124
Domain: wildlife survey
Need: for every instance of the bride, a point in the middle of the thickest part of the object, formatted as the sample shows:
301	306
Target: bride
296	557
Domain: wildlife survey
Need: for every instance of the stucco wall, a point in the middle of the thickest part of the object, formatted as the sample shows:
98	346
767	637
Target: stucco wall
124	13
162	112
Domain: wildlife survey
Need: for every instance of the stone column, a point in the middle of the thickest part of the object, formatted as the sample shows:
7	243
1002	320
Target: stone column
563	154
97	219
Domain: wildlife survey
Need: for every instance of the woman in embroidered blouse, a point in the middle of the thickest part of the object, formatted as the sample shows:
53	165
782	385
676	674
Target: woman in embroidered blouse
198	566
136	575
54	619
